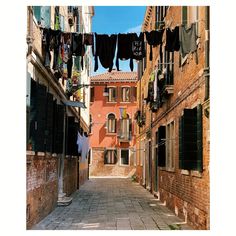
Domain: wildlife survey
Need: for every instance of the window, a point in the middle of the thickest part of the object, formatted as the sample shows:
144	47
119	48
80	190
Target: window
111	123
161	152
124	157
170	145
111	94
43	15
190	139
169	67
91	94
125	94
110	156
125	128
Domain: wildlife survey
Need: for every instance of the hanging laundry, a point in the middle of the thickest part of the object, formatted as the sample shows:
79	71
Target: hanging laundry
172	39
154	38
79	142
77	46
55	46
130	46
46	46
89	41
188	39
105	50
138	47
85	147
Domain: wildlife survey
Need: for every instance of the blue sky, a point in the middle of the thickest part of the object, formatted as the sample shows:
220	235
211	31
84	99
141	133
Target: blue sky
114	20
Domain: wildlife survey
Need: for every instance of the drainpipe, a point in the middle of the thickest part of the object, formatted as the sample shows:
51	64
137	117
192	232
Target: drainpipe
207	64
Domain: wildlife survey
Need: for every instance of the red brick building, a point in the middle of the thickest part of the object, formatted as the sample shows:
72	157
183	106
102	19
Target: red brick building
112	136
173	138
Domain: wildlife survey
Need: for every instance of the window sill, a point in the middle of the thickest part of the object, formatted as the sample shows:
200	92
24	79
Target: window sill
185	172
196	173
125	102
109	164
124	165
170	169
112	102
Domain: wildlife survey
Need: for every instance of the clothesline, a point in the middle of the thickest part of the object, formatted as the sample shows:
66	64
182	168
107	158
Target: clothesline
162	28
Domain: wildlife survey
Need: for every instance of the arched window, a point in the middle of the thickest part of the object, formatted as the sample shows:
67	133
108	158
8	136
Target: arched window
111	123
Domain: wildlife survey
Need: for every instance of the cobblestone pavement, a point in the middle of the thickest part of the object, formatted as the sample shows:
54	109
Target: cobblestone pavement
112	204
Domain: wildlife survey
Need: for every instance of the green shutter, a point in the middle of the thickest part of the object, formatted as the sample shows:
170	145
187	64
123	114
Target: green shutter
184	15
49	123
189	139
162	146
199	165
59	130
41	96
181	154
37	13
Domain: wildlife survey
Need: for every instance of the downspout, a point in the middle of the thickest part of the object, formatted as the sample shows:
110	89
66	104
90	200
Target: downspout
207	64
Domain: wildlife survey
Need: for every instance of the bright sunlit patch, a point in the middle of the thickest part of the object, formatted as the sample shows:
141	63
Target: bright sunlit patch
93	225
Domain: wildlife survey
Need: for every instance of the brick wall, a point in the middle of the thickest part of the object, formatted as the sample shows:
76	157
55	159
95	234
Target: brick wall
187	193
42	187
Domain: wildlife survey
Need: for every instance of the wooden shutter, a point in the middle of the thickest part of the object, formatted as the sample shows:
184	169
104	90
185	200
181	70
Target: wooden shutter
91	94
37	116
49	123
162	146
181	153
58	129
115	125
105	156
189	139
199	164
115	156
130	129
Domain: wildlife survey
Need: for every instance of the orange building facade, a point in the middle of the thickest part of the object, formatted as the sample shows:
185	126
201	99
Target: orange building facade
112	138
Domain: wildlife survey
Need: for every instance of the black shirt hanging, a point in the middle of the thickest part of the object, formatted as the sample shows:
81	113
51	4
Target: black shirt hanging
130	46
172	39
154	38
105	50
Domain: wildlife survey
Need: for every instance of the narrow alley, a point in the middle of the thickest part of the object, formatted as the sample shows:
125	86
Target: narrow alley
118	117
112	204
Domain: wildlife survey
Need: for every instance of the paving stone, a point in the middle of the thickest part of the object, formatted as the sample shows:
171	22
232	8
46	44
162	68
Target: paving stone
111	204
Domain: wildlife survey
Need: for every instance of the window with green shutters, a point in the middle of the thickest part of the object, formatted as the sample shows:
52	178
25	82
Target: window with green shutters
162	146
190	139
